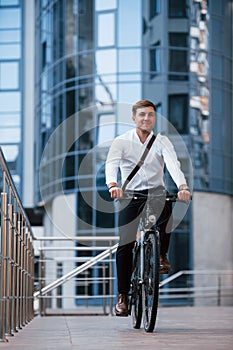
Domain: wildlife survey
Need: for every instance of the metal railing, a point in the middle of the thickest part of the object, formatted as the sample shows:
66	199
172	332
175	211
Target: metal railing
79	272
16	259
198	286
190	287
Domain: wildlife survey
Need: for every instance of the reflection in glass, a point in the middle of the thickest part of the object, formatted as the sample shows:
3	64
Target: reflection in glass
105	92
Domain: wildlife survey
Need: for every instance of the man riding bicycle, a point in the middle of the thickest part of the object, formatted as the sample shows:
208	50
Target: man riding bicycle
123	155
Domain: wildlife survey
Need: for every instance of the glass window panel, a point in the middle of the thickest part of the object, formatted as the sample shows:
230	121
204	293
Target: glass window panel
105	4
106	29
178	58
9	36
105	93
9	2
106	61
129	60
106	129
9	18
9	119
178	112
129	93
10	152
8	135
10	101
10	51
155	60
130	31
9	75
178	8
154	8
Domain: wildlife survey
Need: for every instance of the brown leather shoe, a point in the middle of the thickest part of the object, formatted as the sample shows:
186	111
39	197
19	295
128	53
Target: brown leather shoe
165	266
121	307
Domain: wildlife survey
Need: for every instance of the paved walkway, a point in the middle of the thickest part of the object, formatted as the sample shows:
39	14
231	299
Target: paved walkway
181	328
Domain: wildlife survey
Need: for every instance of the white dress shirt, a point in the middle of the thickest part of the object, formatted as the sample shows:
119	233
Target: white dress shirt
126	151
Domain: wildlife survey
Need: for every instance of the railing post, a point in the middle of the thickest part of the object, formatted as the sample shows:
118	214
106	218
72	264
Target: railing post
14	277
3	287
41	284
19	274
110	281
31	280
104	287
23	266
10	275
219	291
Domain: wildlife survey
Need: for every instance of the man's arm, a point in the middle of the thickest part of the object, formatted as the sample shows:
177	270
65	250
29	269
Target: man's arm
173	166
111	169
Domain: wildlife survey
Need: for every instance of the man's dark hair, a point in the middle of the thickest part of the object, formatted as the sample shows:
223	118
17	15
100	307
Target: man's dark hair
142	104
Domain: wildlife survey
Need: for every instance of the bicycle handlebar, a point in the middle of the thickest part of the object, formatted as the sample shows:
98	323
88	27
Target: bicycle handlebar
170	197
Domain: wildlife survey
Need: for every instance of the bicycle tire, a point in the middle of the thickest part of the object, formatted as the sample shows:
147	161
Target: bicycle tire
136	290
150	290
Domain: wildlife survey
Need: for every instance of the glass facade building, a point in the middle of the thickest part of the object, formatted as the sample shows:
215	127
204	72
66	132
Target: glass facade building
11	85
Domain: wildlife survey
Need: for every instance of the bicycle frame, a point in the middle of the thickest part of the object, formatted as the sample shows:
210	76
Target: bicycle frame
145	282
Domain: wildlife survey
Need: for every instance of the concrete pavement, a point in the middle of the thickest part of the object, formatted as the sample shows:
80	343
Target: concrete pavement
183	328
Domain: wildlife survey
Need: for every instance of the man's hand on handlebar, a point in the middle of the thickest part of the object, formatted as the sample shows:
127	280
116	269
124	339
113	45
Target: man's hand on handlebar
184	195
116	192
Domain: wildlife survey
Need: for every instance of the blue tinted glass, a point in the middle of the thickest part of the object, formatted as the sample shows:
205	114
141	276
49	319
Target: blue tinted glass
8	135
10	51
106	61
101	5
9	119
9	75
9	18
129	26
9	2
106	29
10	152
10	101
129	60
9	36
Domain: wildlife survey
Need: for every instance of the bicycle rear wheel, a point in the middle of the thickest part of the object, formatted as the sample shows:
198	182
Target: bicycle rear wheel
136	290
150	290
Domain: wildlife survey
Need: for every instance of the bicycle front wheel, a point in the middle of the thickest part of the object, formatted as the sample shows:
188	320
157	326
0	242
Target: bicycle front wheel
136	290
150	290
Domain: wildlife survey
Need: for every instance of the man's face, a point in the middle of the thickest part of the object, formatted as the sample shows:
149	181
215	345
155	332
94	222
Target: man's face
144	119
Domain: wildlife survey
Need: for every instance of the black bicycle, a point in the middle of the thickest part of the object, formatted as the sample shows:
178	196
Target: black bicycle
144	291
